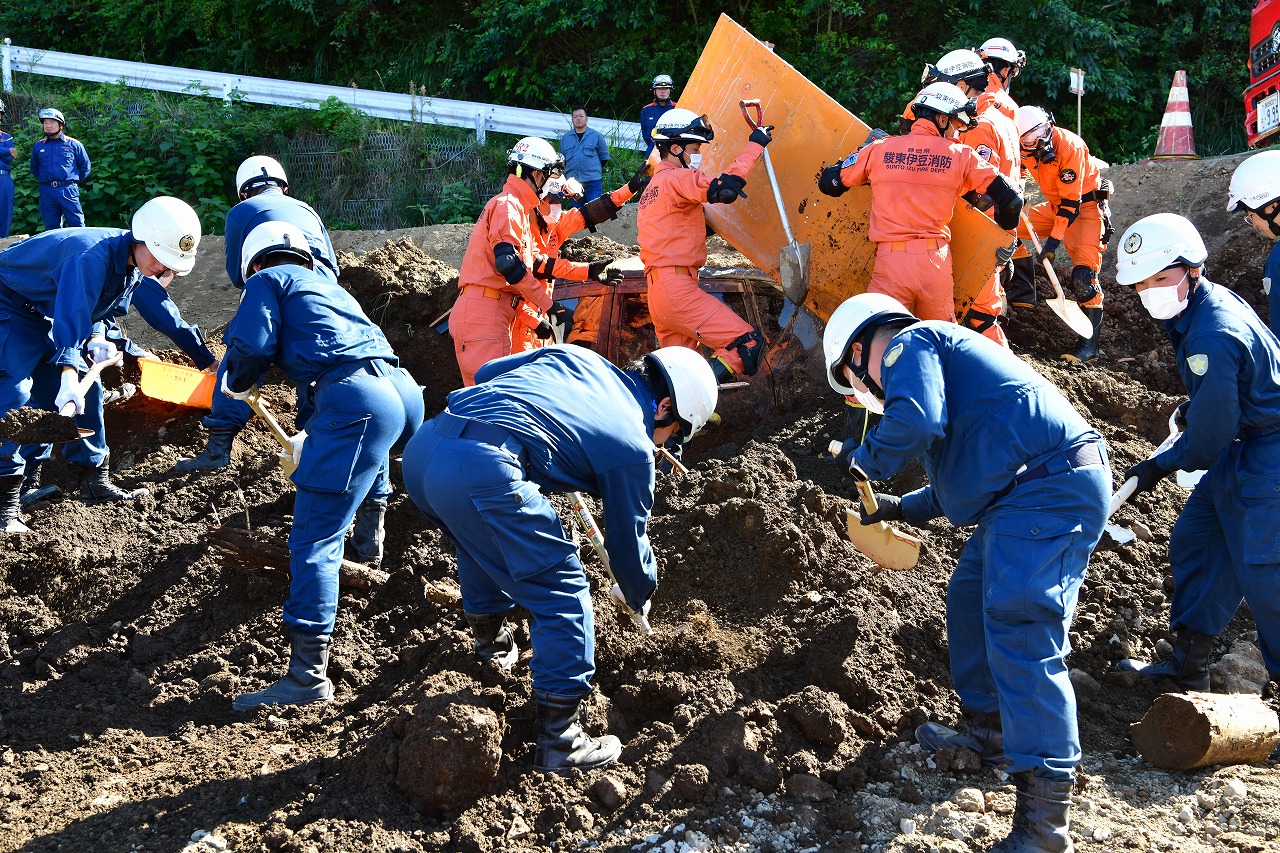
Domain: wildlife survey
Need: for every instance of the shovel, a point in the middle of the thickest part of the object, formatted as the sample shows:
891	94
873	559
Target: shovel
56	427
886	546
1123	535
260	409
793	261
1067	310
589	526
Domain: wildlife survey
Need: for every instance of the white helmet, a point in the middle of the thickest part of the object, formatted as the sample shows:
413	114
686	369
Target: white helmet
1002	50
534	152
273	236
1255	182
849	321
56	115
681	125
663	81
257	172
945	99
1157	242
956	66
171	231
1034	124
692	385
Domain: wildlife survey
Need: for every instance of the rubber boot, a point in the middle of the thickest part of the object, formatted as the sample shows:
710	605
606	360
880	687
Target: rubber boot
1188	668
1020	292
493	639
1039	816
304	683
562	744
96	486
856	421
32	491
1089	349
369	533
11	505
984	737
722	372
217	454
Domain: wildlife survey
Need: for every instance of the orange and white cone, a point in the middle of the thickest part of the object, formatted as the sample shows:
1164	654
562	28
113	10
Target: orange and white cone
1176	139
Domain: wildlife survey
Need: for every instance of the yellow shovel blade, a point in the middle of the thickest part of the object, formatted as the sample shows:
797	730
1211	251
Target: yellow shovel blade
174	383
882	544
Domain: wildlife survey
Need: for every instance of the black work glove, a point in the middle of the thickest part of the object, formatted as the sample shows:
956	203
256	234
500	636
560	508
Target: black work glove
544	330
1148	474
762	135
889	508
1180	415
1004	254
1047	250
639	180
829	181
596	269
726	189
875	134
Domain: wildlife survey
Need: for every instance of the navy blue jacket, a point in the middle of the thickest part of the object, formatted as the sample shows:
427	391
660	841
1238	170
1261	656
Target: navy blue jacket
6	145
1271	272
1230	364
61	159
649	116
586	426
271	205
972	412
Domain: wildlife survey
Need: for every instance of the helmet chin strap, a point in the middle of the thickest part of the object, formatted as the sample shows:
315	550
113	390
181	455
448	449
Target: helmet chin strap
1270	218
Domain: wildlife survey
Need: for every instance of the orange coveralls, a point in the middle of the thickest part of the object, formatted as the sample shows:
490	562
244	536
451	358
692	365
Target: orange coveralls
486	307
673	245
1070	212
548	267
915	181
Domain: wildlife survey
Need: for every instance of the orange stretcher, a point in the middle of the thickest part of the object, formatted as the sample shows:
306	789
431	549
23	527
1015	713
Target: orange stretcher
811	131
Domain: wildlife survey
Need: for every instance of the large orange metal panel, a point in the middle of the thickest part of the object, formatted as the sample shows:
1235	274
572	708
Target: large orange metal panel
812	131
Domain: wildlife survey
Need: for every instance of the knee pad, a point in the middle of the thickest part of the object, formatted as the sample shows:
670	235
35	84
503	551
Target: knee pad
1086	282
750	348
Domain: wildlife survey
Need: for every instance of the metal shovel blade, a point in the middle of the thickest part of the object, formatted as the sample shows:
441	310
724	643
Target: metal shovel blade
1069	311
1122	535
794	262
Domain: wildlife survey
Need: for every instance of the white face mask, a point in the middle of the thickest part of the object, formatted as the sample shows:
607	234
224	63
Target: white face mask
553	215
695	161
1162	303
873	403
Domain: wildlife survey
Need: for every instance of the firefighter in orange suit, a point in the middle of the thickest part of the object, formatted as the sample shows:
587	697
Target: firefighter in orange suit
673	243
1074	212
1006	63
497	272
915	181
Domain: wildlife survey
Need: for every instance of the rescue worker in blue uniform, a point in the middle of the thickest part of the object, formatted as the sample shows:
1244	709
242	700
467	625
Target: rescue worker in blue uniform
556	419
650	113
364	404
8	153
1225	545
60	164
264	197
1255	195
1004	450
56	288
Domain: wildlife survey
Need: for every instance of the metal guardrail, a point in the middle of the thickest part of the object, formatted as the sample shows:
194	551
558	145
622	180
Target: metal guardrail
482	118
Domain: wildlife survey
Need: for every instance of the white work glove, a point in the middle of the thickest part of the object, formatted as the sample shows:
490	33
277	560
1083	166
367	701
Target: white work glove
553	186
69	392
572	188
616	592
100	349
234	395
290	459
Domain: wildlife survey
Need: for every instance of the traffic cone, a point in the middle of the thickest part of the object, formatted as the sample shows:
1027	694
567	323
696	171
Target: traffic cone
1176	140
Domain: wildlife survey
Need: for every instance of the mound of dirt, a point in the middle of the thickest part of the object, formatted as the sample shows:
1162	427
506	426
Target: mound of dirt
773	709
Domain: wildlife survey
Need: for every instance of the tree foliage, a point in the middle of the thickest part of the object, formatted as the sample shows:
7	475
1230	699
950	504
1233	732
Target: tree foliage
548	54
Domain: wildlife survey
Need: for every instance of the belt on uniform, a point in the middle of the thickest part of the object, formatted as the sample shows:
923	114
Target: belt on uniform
456	426
486	292
1077	457
17	299
1259	432
57	183
652	272
903	245
347	369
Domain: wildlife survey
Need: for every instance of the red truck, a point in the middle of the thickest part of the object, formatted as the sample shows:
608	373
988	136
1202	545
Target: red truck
1262	98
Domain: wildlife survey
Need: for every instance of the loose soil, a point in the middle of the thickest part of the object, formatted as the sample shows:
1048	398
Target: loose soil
773	709
26	425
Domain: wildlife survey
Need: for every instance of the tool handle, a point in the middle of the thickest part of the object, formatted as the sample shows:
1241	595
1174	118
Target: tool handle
589	526
768	164
671	457
1122	494
863	482
759	119
1048	265
90	377
260	409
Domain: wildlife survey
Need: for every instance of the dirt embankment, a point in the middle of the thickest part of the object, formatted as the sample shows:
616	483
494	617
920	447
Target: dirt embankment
772	710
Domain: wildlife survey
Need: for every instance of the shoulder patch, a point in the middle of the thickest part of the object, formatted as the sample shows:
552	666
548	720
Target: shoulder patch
1067	176
1199	364
891	357
984	151
849	161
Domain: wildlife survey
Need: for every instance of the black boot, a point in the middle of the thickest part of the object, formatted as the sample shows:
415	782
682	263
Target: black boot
1089	349
217	454
10	504
856	421
32	491
304	683
984	737
1039	816
369	533
1020	292
562	744
493	639
96	486
722	372
1188	668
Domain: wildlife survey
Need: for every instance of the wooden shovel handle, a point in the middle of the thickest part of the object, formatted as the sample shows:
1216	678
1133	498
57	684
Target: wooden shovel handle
864	483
